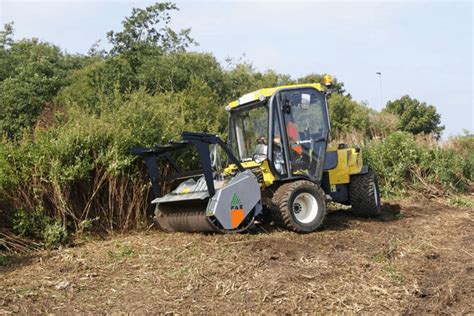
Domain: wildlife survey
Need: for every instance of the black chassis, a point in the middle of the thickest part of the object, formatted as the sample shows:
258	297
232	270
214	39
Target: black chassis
201	142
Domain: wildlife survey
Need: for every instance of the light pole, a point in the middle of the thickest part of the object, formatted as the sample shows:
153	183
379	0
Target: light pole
380	80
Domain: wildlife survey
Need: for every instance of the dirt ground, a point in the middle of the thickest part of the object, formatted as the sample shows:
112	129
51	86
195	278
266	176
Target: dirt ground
416	259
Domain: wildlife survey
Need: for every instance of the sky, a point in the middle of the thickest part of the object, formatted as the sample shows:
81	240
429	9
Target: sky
422	48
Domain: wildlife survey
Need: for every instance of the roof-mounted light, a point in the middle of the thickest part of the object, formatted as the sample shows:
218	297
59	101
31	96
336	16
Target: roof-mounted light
327	80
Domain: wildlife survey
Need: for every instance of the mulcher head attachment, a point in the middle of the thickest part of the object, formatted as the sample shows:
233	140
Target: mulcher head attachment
205	201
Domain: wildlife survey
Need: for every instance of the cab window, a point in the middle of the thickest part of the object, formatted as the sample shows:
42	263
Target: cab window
307	127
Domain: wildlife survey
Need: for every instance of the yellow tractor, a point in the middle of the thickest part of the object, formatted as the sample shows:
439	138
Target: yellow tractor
276	166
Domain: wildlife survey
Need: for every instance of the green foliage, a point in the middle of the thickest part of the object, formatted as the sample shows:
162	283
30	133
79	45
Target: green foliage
32	73
4	260
394	275
148	27
242	78
382	124
29	224
176	72
32	79
38	226
6	36
54	235
403	162
461	202
99	82
463	145
347	115
415	116
337	86
121	253
86	225
91	147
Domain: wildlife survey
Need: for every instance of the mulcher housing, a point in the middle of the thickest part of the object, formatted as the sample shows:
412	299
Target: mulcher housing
276	167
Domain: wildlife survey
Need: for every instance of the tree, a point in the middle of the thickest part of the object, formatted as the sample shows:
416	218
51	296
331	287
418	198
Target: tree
32	73
347	115
175	72
5	42
6	36
148	28
415	116
146	53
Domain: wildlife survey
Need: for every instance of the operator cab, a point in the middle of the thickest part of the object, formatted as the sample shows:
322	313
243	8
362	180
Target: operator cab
289	128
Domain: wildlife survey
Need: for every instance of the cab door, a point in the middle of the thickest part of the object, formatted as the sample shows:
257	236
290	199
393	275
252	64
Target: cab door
304	116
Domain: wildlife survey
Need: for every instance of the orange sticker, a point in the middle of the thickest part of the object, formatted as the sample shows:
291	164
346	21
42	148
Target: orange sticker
237	217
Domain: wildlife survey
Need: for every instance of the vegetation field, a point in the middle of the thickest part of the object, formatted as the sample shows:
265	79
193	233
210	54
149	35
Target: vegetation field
75	228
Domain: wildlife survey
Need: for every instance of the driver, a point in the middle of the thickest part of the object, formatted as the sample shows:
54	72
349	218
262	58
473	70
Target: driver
292	131
261	147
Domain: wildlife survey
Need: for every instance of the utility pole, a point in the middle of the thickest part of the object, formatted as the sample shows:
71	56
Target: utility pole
380	80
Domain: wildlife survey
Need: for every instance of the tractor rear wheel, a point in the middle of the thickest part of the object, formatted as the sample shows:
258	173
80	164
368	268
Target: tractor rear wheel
364	195
299	206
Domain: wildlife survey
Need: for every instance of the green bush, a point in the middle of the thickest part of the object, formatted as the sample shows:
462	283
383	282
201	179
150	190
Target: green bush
36	225
29	224
463	145
54	235
82	168
404	162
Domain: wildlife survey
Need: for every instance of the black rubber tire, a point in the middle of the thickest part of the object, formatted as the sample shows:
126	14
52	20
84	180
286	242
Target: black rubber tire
364	195
282	202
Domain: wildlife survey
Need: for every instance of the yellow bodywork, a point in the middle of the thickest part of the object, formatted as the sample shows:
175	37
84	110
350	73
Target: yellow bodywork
268	177
262	94
349	161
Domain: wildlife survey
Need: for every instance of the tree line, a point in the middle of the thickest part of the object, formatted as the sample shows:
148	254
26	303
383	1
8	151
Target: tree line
147	54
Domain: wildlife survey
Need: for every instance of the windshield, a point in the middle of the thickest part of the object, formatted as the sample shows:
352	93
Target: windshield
307	126
248	134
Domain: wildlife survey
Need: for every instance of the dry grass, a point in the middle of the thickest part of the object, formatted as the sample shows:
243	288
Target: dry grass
417	260
118	203
16	244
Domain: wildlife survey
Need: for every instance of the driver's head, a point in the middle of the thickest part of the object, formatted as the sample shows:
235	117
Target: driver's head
261	139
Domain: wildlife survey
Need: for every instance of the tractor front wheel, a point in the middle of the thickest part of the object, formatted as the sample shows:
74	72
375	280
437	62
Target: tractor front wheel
364	195
299	206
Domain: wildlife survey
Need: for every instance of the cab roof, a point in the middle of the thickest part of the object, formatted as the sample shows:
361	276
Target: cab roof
265	93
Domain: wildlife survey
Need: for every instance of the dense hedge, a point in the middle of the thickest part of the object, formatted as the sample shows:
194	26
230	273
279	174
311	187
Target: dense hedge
79	175
405	163
81	169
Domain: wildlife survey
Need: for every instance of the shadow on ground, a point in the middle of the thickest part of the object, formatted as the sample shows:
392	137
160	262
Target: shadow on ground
341	219
11	262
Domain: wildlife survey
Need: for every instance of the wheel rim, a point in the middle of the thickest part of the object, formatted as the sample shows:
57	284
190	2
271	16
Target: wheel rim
305	208
376	193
